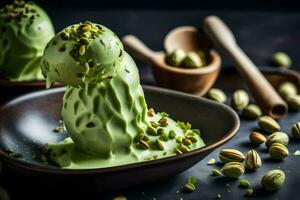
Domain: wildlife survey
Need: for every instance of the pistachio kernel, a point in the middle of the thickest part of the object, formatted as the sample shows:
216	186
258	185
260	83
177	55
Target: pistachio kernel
172	134
159	145
240	99
277	137
184	149
143	144
178	152
252	111
189	187
81	50
287	89
163	121
233	169
186	142
215	172
211	161
294	102
217	95
244	183
151	112
151	130
154	124
249	193
139	137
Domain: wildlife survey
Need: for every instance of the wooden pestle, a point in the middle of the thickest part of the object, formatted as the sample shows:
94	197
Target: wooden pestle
263	92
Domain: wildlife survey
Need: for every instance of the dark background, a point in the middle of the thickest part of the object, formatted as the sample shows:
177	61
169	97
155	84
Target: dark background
261	28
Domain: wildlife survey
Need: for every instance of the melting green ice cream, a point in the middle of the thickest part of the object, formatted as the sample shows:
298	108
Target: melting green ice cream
25	29
104	109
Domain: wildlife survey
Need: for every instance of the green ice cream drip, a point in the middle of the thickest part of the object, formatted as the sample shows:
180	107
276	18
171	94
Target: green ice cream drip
104	105
25	29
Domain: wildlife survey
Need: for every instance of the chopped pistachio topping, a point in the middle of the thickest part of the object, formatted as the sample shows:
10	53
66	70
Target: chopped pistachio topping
159	145
151	112
172	134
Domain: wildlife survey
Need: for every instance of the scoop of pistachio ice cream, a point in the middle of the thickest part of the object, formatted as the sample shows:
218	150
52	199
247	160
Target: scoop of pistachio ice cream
25	29
104	104
104	108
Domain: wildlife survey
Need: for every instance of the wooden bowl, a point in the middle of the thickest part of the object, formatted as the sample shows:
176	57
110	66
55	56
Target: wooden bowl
195	81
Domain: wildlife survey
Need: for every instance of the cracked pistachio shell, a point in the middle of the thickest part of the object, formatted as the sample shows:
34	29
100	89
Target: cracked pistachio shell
192	60
217	95
278	151
294	102
240	99
252	111
287	89
253	160
296	130
268	124
257	138
273	180
231	155
233	169
176	57
277	137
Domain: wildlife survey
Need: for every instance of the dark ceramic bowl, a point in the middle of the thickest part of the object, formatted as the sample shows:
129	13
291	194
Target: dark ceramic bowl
11	89
27	123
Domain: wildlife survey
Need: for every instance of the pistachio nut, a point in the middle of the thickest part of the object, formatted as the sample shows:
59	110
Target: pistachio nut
277	137
233	169
287	89
268	124
273	180
252	111
250	192
217	95
240	99
192	60
294	102
296	130
176	57
253	160
281	59
244	183
257	138
231	155
278	151
215	172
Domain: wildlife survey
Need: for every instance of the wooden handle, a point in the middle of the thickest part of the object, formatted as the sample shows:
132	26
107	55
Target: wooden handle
138	49
263	92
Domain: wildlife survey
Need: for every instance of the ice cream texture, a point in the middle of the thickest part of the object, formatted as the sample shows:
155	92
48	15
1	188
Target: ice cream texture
25	29
104	108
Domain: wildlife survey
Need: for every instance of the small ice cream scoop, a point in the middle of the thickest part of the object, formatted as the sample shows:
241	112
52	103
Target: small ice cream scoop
25	29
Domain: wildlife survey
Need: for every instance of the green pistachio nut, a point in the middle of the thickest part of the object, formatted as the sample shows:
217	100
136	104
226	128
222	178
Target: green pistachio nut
294	102
281	59
268	124
253	160
217	95
296	130
257	138
252	111
233	169
176	57
231	155
203	58
192	60
278	151
273	180
287	89
244	183
215	172
277	137
240	99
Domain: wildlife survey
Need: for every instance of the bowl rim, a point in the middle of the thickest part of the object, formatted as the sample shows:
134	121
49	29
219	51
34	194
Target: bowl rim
25	165
213	66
